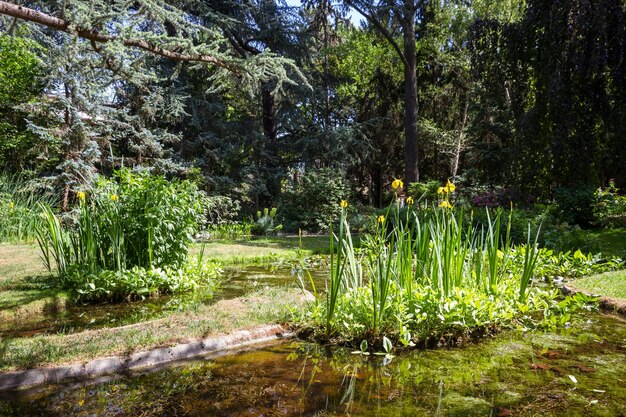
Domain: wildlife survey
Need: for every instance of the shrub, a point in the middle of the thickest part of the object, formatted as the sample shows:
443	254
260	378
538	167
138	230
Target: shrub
226	231
219	209
265	223
575	205
131	226
310	201
609	208
425	193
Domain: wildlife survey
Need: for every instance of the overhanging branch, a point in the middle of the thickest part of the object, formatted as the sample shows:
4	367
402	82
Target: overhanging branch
62	25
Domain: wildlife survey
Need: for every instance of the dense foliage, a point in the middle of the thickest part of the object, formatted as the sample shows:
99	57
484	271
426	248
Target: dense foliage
130	128
424	276
128	237
20	214
519	101
310	199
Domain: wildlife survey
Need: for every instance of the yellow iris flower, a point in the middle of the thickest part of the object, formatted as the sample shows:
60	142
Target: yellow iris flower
114	197
81	195
445	204
381	219
450	187
343	203
397	184
410	201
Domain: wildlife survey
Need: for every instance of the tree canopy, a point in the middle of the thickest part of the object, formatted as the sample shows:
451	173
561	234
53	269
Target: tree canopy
246	95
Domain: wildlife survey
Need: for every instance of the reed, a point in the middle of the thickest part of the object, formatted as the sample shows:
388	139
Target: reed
415	257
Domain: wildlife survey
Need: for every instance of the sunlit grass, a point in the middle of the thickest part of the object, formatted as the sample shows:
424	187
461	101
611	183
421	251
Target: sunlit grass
19	261
265	306
610	284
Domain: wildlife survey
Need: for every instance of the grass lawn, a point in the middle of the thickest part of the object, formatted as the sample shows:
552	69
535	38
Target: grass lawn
609	242
25	286
269	305
610	284
26	289
19	261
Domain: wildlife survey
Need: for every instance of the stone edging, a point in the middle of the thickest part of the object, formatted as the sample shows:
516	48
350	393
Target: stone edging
607	304
30	378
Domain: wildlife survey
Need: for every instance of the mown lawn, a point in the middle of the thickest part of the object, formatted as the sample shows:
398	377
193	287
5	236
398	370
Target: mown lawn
609	284
609	242
265	306
27	289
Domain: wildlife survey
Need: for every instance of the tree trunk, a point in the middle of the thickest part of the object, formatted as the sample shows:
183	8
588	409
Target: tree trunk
271	146
411	108
459	147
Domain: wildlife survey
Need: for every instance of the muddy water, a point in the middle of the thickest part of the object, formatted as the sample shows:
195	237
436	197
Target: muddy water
581	372
236	281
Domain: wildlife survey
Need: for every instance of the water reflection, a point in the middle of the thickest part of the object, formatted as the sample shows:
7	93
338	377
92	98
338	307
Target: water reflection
236	282
513	374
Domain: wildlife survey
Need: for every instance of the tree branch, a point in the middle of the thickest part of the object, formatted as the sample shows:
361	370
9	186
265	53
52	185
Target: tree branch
379	26
93	35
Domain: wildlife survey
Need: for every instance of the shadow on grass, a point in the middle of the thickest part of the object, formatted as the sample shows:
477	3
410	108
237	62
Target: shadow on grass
610	242
16	293
34	353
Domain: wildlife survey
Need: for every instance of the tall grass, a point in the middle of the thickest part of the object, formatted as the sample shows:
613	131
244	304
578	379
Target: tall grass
95	242
19	208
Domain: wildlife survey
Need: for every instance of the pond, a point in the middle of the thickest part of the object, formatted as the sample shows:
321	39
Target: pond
236	282
579	371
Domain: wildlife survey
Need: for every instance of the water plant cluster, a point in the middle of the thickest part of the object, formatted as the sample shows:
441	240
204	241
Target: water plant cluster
424	278
129	237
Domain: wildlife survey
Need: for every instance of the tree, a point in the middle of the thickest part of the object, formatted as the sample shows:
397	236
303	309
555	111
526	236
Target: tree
387	17
21	73
551	95
113	75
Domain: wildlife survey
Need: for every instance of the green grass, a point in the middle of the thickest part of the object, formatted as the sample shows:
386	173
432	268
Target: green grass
265	250
25	285
609	242
609	284
269	305
19	261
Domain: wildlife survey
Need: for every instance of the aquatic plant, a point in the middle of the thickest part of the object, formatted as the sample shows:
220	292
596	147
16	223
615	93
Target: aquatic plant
422	274
128	236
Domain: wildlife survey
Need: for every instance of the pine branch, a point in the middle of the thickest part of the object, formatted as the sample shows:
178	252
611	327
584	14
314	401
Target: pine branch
93	35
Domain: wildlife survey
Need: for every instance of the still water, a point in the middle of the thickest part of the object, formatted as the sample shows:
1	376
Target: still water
235	282
578	372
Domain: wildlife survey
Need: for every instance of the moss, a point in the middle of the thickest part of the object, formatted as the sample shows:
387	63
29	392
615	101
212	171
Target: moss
458	405
507	398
